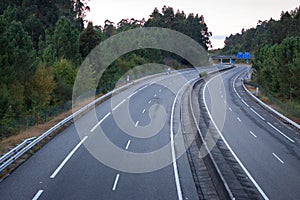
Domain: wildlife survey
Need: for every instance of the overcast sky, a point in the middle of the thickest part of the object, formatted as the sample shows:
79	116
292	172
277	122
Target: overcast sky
223	17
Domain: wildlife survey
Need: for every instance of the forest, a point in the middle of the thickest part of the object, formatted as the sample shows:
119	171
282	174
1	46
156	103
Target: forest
275	45
43	43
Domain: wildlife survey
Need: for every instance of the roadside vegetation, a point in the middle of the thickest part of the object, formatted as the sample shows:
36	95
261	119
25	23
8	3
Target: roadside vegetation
43	43
276	65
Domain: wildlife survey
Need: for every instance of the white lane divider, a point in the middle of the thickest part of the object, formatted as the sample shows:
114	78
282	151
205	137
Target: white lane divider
229	108
284	135
37	195
149	102
230	149
159	90
132	95
257	114
278	158
136	123
119	105
154	95
253	134
127	145
143	88
239	119
116	182
144	111
68	158
94	128
245	103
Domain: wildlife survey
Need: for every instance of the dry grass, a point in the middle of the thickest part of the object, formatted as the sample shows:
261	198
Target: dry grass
37	130
250	88
275	107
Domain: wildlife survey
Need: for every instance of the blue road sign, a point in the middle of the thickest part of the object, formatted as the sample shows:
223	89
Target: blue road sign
240	55
246	55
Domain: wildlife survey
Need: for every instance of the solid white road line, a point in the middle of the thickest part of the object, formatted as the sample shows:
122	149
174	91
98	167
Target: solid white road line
143	87
136	123
127	145
257	114
284	135
230	149
239	119
116	182
131	95
175	168
253	134
68	157
94	128
37	195
278	158
245	102
119	105
144	111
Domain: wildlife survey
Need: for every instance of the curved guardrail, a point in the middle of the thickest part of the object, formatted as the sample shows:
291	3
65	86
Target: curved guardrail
10	157
270	109
7	159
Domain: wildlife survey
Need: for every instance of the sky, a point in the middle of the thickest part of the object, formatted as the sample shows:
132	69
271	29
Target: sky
223	17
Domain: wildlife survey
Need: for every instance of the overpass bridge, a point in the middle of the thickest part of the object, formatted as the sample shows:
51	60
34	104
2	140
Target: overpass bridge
229	58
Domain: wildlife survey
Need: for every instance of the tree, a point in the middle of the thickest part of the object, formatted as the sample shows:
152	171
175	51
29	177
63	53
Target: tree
66	40
88	40
42	87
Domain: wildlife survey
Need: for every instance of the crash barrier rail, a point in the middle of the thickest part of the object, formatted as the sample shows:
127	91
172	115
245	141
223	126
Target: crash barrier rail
10	158
269	108
7	159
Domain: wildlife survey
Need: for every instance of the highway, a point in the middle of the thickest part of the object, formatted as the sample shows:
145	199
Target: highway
267	149
131	147
78	164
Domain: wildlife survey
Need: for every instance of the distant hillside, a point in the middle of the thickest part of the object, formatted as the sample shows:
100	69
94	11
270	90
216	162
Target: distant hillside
266	33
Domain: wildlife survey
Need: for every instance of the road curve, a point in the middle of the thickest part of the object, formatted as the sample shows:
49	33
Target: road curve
65	169
268	149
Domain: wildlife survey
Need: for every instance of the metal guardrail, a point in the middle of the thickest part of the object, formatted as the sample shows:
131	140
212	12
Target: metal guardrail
270	109
15	153
10	157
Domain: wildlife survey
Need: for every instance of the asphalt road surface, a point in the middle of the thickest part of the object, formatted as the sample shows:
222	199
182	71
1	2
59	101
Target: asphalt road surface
79	164
268	149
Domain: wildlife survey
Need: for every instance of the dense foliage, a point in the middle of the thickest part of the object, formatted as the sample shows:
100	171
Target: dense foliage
266	33
42	45
276	46
277	68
